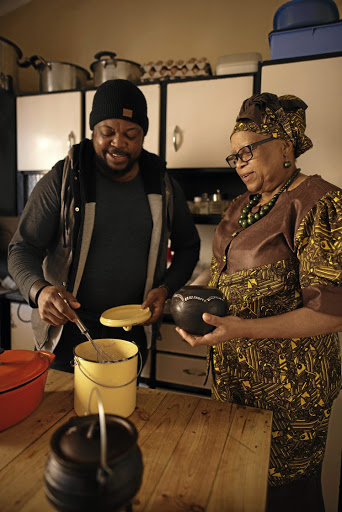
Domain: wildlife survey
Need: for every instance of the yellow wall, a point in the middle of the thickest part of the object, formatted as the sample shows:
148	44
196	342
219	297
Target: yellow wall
138	30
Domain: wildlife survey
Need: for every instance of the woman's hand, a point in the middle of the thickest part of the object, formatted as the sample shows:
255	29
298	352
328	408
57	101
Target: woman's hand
227	328
155	300
299	323
52	308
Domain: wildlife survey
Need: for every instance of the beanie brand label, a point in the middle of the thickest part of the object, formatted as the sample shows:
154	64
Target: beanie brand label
127	112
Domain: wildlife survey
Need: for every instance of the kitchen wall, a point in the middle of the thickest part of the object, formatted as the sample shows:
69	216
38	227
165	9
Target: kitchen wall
142	31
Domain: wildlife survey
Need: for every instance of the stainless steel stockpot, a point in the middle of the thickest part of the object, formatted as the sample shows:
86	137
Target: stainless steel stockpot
59	76
108	67
9	57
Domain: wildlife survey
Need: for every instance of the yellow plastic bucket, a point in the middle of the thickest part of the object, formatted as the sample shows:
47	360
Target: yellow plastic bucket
115	380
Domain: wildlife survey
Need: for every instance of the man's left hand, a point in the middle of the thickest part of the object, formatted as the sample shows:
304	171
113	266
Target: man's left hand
155	300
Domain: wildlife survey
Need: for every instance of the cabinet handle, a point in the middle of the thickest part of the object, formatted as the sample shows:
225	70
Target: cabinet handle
176	131
71	139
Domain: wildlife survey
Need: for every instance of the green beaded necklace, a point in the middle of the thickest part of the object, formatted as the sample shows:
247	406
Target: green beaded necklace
247	218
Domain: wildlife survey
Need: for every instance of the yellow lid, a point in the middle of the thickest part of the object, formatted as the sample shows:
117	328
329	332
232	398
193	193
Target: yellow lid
125	316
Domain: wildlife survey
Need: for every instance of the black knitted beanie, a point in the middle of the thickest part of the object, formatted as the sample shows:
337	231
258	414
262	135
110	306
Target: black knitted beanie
119	99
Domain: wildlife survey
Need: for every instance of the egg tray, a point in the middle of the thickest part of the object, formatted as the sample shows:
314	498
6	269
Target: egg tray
171	69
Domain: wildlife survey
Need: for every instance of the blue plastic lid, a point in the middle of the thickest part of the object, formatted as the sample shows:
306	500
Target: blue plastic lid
301	13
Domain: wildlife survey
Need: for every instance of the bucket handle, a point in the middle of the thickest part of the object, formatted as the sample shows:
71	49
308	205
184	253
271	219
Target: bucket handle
104	469
112	387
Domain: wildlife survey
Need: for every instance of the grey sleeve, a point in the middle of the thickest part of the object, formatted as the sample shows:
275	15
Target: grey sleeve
36	234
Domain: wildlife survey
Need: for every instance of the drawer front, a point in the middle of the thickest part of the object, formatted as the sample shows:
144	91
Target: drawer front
172	342
186	371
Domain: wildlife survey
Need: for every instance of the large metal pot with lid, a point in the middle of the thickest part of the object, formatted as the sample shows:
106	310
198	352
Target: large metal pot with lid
108	67
9	57
94	463
58	76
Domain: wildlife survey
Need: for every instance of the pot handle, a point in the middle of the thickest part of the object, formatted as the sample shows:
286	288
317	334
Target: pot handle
49	355
104	469
25	63
98	55
176	132
38	62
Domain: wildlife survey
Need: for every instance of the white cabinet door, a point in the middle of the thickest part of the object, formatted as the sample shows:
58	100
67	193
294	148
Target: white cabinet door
184	371
47	125
200	119
319	83
171	341
152	95
21	328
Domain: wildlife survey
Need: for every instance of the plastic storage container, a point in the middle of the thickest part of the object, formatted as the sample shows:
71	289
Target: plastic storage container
303	41
238	63
300	13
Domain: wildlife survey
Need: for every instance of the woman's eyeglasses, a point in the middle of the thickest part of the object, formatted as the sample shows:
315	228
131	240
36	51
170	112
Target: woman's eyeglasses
246	153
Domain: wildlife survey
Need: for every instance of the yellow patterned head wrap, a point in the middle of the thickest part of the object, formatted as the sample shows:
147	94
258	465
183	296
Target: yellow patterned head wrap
283	117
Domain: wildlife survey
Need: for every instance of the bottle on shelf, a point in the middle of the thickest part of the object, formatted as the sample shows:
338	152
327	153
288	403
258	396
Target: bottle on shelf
204	204
215	204
197	205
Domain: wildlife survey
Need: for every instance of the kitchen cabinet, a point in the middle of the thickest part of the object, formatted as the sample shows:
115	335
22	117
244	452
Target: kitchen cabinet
47	126
178	364
152	95
172	363
318	82
200	116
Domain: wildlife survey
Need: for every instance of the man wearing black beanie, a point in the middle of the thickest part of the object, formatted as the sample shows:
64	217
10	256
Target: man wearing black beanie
96	230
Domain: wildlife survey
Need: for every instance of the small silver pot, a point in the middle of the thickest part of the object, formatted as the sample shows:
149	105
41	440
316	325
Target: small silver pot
9	57
108	67
59	76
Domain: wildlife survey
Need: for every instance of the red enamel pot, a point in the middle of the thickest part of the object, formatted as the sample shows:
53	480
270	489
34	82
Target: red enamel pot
23	376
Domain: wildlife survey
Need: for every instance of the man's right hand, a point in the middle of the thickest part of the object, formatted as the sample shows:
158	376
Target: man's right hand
52	308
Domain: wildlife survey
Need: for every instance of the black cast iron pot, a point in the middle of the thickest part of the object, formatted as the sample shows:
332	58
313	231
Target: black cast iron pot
190	302
79	476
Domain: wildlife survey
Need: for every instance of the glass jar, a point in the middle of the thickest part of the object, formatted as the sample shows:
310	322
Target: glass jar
204	204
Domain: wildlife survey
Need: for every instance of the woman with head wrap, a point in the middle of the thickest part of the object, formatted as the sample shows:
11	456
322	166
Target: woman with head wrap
277	257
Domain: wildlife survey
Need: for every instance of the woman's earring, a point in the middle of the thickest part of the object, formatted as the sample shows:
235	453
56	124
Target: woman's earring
287	164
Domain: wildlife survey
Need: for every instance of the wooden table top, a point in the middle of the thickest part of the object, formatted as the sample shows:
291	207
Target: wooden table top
199	454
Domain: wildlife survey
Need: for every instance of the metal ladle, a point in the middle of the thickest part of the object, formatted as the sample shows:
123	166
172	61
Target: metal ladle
84	330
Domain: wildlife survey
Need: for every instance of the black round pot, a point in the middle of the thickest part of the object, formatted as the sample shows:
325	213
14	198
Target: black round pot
75	479
190	302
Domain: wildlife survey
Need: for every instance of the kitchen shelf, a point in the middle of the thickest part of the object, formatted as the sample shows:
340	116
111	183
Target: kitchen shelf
195	182
212	218
196	171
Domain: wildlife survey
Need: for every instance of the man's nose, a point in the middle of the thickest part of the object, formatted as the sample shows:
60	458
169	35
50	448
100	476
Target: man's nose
118	140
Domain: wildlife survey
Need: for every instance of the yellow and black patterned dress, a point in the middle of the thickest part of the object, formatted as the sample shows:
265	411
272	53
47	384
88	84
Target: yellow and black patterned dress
290	258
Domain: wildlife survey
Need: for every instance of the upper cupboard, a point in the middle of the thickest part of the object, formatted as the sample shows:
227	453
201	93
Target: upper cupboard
200	116
49	124
317	81
189	122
